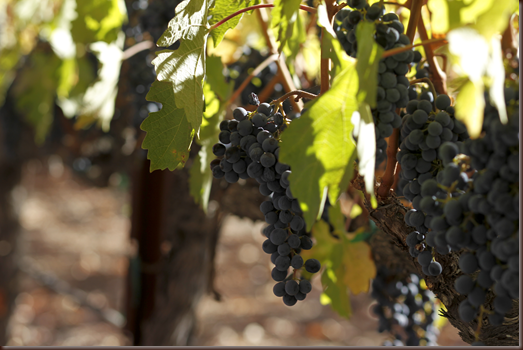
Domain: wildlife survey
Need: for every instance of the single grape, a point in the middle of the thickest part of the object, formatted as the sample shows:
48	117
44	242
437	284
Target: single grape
312	265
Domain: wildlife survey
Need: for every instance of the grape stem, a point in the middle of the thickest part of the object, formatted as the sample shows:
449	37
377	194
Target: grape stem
425	43
325	62
286	78
298	93
431	86
394	3
480	318
255	72
239	12
438	76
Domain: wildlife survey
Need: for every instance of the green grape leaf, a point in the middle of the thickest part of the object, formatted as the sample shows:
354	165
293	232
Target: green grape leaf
99	99
9	57
36	100
319	145
184	68
216	92
200	174
368	59
336	218
335	291
295	42
222	9
98	20
216	79
169	134
287	20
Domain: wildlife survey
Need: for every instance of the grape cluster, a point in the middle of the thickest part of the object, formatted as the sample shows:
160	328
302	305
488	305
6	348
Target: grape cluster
422	133
481	214
249	148
405	309
393	85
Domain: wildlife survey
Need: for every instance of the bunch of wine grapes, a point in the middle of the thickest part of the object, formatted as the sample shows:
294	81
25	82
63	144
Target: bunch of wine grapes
405	309
425	127
392	83
249	148
482	214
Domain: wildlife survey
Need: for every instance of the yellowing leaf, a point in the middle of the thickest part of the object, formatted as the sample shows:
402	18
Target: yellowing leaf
469	107
495	18
440	15
358	268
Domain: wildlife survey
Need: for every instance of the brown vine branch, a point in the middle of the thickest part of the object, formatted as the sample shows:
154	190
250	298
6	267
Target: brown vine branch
269	88
286	78
255	72
389	217
298	93
415	15
133	50
439	77
394	3
324	67
425	43
254	7
388	178
332	9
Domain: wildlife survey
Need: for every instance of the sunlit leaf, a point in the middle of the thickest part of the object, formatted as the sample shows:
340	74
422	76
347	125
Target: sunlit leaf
469	107
222	9
200	179
319	145
184	68
290	31
99	99
368	59
98	20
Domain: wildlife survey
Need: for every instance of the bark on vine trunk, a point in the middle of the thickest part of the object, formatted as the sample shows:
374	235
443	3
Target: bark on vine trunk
9	228
388	216
183	273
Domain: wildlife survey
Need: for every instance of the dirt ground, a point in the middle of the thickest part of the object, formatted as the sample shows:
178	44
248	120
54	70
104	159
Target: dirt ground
73	251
